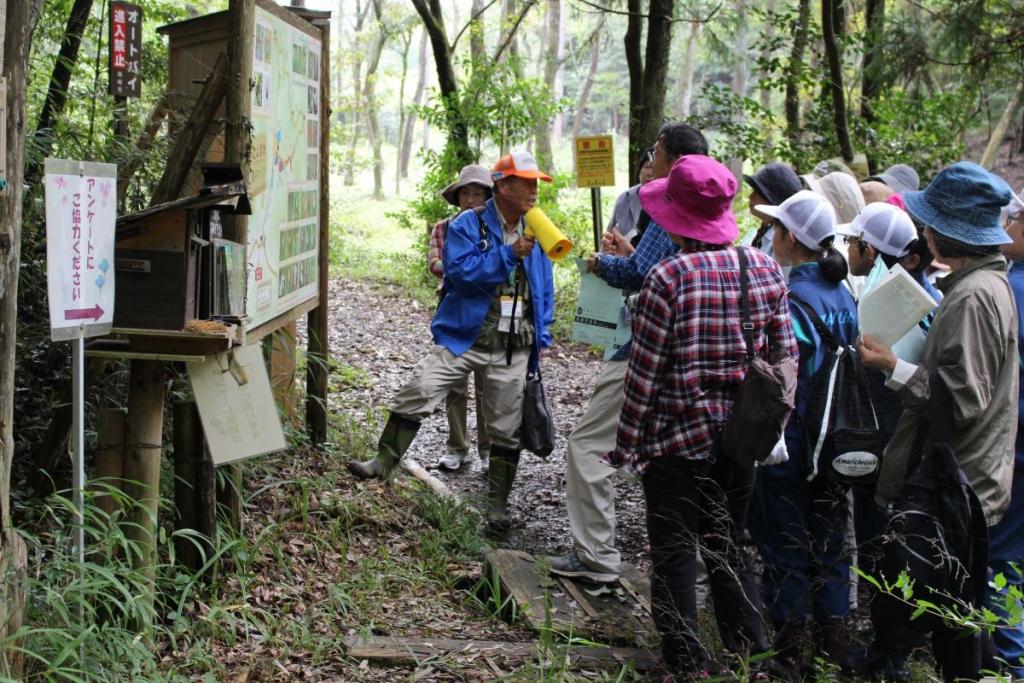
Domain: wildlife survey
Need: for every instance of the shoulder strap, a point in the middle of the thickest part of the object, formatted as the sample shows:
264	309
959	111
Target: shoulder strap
480	221
819	325
746	322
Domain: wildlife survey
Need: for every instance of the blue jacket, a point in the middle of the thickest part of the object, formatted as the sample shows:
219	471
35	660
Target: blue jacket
629	272
473	271
835	306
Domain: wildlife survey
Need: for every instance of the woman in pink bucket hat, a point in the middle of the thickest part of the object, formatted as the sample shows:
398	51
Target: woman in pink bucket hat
687	359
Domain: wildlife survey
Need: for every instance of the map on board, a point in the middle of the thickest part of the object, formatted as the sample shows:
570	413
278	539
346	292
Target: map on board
285	162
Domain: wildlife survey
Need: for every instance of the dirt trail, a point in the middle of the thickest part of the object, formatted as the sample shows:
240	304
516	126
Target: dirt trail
376	329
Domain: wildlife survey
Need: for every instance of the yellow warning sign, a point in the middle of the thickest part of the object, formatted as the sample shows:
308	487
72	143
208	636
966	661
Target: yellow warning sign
595	161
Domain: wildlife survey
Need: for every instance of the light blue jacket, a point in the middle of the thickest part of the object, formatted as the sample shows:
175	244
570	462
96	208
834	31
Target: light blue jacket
473	271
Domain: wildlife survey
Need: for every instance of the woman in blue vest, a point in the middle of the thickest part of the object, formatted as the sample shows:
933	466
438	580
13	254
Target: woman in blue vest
799	524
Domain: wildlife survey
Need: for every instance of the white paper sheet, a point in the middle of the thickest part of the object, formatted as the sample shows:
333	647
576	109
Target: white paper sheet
893	307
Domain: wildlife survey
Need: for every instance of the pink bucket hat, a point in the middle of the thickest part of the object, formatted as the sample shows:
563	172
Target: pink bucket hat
694	201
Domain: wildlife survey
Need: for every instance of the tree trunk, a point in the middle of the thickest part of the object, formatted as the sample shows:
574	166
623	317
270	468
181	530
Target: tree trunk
17	20
542	132
477	48
765	93
417	98
871	83
793	69
684	95
647	104
458	130
829	29
403	111
633	44
556	128
370	100
742	73
60	79
588	83
988	159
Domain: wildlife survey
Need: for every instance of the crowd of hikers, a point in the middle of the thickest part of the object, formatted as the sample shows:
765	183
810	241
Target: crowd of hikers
895	453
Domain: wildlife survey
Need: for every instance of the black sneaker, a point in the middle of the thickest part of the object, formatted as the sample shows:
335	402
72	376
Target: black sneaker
573	567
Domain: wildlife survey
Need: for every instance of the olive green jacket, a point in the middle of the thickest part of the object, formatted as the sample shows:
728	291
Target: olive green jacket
973	345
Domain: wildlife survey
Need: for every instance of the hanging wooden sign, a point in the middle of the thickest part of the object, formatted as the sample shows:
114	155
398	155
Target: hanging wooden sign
125	49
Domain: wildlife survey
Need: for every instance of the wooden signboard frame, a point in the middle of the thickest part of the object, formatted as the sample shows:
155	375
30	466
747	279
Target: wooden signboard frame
194	46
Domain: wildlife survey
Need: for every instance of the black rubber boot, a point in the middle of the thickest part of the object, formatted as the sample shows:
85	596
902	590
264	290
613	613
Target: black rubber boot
501	472
394	442
833	640
787	662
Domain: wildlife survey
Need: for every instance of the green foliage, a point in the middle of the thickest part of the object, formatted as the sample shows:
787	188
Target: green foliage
500	107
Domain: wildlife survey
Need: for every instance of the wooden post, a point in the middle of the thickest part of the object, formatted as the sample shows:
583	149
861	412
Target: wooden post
194	493
186	456
110	457
282	369
142	464
238	107
317	350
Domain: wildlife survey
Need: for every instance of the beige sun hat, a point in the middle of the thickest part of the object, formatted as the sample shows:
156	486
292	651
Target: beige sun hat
843	191
473	174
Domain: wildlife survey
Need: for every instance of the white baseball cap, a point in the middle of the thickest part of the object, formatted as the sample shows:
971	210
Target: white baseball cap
884	226
808	215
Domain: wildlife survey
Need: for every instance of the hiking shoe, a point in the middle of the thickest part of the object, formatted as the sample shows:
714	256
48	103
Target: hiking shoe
573	567
451	461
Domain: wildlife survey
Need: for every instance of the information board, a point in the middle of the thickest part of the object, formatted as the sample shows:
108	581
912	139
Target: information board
283	239
595	161
81	211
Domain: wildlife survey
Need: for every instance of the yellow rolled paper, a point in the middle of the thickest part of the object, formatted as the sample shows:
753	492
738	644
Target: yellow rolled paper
552	240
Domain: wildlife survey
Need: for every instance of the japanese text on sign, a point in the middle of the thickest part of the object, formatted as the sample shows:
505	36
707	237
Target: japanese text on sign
595	161
125	49
81	209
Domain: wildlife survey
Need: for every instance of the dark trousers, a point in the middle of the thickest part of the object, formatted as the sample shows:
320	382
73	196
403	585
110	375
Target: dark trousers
692	505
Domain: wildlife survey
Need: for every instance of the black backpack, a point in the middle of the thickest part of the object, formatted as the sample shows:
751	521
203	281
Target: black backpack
842	436
936	530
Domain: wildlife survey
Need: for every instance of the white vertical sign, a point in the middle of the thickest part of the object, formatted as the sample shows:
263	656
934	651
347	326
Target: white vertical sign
81	210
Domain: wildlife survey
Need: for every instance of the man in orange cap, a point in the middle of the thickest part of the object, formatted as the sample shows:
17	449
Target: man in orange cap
494	319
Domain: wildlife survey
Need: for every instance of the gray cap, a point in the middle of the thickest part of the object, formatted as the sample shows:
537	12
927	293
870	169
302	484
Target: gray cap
473	174
899	177
808	215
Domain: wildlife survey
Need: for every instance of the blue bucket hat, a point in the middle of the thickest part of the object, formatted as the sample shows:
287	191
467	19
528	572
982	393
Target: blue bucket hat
963	202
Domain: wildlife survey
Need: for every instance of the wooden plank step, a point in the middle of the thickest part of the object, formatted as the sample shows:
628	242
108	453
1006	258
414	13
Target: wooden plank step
617	613
416	651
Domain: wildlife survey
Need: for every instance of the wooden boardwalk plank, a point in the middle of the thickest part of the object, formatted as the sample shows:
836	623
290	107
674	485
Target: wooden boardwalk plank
617	613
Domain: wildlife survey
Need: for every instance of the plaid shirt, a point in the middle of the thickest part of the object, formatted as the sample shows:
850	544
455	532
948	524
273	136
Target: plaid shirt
435	257
628	272
688	351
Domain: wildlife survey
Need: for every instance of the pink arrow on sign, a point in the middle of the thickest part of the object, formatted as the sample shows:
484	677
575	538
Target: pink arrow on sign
83	313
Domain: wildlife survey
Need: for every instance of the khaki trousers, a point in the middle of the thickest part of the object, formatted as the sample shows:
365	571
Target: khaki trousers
455	405
589	491
440	370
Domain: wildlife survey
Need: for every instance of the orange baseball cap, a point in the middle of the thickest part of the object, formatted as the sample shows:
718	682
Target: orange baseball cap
521	164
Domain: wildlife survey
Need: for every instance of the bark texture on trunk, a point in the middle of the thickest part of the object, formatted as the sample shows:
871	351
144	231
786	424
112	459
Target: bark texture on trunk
542	132
647	97
793	69
830	28
18	20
